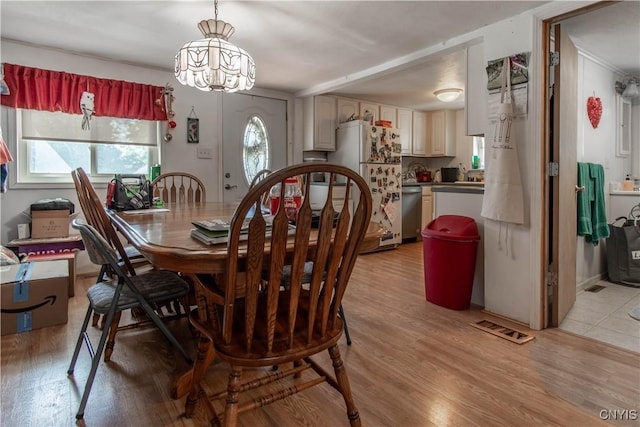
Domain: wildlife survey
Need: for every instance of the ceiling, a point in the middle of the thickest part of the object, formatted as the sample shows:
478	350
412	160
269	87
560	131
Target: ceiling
300	45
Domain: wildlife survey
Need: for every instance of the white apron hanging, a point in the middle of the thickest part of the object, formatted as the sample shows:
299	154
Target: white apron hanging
503	197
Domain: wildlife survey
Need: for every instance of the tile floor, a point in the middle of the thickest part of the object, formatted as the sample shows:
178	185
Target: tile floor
604	315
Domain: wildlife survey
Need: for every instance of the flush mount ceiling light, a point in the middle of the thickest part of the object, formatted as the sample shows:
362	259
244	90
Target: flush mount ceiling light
213	63
448	95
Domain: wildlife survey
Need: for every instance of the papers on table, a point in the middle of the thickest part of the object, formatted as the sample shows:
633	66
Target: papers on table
215	231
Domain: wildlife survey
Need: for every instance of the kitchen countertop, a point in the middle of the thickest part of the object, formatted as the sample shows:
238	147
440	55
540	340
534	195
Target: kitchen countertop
445	184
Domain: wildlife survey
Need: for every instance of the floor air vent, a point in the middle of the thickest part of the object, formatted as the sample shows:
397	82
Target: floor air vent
594	288
503	332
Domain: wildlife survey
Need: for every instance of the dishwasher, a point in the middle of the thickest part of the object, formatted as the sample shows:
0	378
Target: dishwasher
411	212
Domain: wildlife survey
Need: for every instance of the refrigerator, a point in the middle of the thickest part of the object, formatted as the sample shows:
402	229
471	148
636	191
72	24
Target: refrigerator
375	153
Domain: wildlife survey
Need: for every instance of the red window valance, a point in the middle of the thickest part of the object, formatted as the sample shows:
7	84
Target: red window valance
46	90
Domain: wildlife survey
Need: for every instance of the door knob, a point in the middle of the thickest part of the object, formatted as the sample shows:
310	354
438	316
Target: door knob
229	187
580	189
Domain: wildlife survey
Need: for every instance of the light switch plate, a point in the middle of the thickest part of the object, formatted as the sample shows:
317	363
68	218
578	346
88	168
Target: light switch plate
205	153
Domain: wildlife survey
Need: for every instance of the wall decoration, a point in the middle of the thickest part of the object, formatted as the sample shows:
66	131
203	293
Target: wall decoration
594	110
87	106
193	127
167	91
519	71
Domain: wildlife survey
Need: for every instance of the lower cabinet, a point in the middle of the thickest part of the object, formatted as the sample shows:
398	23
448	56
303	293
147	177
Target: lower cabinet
427	206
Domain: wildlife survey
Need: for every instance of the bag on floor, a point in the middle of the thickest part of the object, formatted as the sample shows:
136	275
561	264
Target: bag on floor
623	251
129	192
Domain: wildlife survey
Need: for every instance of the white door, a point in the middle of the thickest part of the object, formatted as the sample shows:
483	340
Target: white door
237	111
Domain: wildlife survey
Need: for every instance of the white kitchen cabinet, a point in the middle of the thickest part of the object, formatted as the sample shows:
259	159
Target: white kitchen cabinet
347	108
442	130
319	120
405	127
427	206
389	113
475	93
419	142
623	127
368	107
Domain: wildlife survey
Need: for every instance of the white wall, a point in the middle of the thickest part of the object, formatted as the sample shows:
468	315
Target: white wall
597	146
507	247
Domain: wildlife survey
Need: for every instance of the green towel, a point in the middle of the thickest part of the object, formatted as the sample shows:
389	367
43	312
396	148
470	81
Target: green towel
584	200
599	225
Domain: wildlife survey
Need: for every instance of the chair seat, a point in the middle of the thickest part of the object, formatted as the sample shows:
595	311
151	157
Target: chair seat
236	350
155	286
286	274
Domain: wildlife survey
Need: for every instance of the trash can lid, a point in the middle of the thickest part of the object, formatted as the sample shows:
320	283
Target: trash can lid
452	227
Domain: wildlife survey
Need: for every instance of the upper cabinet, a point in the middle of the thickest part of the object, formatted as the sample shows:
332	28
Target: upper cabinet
419	147
390	114
476	91
319	118
347	108
623	126
442	133
405	127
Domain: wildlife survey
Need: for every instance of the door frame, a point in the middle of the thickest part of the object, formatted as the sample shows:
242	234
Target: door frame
547	209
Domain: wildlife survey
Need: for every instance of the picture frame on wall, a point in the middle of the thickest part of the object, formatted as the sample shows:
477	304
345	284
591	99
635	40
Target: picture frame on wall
193	130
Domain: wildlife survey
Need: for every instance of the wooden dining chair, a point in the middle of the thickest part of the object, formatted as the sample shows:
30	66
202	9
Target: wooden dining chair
111	296
262	323
260	175
179	187
95	216
308	266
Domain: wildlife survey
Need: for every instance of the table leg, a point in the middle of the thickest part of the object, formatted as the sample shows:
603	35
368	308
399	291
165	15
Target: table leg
189	382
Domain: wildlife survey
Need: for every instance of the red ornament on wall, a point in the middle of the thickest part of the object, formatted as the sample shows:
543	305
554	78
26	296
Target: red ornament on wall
594	110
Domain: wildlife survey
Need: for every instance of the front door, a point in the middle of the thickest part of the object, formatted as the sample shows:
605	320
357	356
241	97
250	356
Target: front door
563	186
237	112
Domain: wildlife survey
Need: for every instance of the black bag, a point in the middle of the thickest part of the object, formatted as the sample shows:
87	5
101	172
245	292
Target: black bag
130	192
623	252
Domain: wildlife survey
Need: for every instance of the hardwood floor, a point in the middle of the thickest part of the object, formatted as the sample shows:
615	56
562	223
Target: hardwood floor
412	363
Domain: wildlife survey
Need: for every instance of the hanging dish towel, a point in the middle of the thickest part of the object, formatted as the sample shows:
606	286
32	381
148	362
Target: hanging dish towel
503	196
592	213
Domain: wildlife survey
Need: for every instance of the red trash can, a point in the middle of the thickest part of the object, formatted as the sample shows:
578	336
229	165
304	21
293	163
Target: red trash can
450	245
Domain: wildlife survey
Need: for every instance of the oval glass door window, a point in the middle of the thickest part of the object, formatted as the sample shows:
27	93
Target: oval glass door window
255	151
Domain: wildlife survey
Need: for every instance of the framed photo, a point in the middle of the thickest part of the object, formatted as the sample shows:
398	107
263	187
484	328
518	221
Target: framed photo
193	130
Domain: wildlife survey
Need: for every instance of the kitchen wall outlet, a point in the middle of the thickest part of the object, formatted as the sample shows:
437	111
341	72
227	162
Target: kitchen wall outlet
205	153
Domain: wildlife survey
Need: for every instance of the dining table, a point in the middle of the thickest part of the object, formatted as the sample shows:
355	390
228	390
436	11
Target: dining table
163	237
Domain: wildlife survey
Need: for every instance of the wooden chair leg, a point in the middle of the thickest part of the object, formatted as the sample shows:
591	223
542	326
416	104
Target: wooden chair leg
233	390
345	387
111	341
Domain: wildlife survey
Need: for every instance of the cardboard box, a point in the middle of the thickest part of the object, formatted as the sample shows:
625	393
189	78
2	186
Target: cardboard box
50	223
33	295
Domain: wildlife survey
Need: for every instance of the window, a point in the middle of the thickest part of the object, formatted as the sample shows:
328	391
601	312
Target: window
52	144
255	151
478	149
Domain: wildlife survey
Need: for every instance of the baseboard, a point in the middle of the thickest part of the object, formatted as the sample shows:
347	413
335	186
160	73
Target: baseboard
590	281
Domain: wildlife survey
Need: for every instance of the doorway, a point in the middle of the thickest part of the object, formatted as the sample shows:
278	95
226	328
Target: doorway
563	107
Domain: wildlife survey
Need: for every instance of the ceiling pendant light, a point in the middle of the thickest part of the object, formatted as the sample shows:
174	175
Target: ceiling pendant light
448	95
213	63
